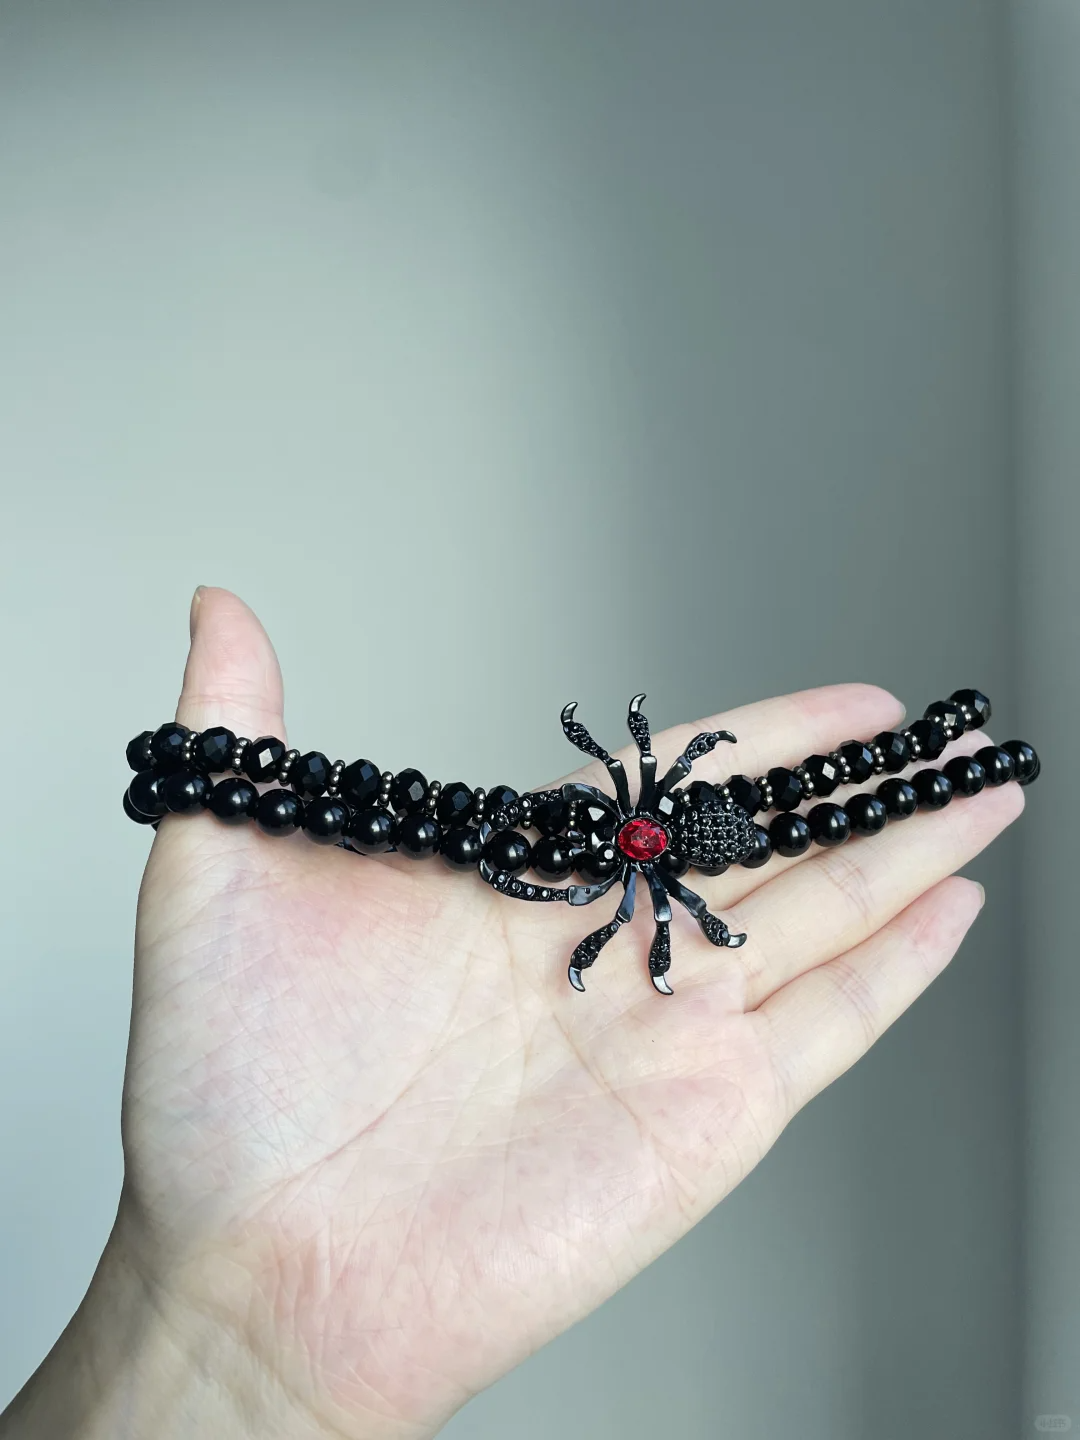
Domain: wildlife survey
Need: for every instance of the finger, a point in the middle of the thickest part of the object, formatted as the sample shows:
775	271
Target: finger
232	676
820	1024
723	891
804	918
780	731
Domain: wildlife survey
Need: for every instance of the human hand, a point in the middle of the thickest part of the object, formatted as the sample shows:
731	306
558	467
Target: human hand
378	1151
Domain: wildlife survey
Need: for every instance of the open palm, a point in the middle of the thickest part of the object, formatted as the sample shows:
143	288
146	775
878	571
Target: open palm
373	1133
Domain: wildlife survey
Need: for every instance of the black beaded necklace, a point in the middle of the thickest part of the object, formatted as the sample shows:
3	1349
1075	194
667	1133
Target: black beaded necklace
605	839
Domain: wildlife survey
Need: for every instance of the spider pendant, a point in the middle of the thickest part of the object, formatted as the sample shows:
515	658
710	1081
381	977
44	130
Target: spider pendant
700	828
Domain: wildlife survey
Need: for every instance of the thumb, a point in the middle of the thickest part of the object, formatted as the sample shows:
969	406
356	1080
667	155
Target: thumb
232	677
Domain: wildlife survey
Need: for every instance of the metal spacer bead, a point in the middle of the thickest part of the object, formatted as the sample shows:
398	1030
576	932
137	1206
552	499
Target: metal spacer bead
806	780
913	744
879	759
842	765
969	716
479	800
335	778
386	780
763	784
526	811
285	764
433	790
239	750
189	746
725	796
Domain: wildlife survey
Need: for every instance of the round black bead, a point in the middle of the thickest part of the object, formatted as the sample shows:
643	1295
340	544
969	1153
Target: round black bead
947	713
185	790
867	814
713	869
408	791
310	774
786	788
900	799
1025	760
551	858
455	803
167	745
360	784
279	812
977	703
895	748
860	759
213	750
371	831
762	851
598	865
498	798
550	816
933	789
789	834
829	824
965	774
508	850
233	800
671	862
999	765
138	751
462	847
418	836
146	793
136	815
326	819
747	794
825	773
262	757
931	737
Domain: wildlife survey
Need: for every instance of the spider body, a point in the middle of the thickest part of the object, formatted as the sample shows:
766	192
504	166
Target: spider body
617	839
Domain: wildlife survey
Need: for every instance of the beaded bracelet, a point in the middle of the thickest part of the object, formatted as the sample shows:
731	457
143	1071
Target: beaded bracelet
606	839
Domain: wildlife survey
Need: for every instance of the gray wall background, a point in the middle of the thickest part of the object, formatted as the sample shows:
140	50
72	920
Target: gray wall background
423	326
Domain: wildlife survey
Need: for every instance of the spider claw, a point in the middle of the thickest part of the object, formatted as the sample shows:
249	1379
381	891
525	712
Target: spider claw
660	983
734	941
574	975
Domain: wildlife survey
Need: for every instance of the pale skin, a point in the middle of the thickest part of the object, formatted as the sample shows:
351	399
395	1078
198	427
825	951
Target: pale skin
378	1150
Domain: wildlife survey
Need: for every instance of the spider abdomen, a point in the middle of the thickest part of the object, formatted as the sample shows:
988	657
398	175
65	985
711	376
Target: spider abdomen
708	835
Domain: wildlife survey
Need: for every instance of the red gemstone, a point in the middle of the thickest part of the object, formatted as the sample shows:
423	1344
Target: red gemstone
642	839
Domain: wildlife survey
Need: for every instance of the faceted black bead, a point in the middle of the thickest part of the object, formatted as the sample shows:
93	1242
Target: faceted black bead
261	758
167	745
867	814
762	851
138	751
408	791
603	863
310	774
933	789
790	834
747	794
1025	760
418	836
551	816
146	795
455	803
462	847
326	820
551	858
185	790
999	765
860	760
279	812
213	749
786	788
595	820
672	863
233	800
700	792
136	815
360	784
900	799
965	774
947	713
829	824
824	772
371	831
931	737
976	702
895	748
498	798
508	850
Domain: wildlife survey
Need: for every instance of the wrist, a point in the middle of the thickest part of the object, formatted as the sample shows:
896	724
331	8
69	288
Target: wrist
138	1361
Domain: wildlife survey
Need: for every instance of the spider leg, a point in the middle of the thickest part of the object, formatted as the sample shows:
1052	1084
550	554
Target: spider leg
586	951
576	733
639	729
508	884
660	950
701	745
713	928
